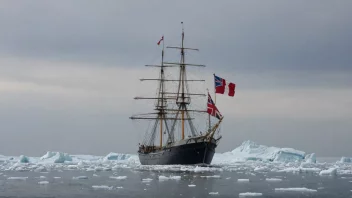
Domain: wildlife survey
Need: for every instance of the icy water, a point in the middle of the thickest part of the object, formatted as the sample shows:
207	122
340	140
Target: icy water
130	182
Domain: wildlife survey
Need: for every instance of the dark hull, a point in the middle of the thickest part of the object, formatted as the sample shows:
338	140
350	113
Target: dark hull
194	153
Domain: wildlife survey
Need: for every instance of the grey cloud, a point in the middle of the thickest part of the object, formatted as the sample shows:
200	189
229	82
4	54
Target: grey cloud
257	36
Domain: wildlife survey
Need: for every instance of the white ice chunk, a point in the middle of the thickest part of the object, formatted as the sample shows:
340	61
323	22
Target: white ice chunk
17	178
243	180
80	177
250	194
294	190
191	185
213	193
329	172
43	182
102	187
118	177
273	179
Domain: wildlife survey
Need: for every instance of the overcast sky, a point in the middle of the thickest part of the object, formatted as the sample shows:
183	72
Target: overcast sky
69	71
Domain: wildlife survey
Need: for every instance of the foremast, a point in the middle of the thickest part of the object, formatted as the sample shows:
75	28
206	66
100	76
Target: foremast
160	106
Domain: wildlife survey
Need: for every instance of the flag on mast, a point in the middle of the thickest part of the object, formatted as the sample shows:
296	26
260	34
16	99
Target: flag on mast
162	38
223	87
212	110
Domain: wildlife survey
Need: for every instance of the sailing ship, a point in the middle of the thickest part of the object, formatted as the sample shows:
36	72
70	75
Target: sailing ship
173	138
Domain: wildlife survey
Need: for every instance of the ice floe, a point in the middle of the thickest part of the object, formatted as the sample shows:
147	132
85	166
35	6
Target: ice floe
273	179
210	176
329	172
294	190
243	180
43	182
80	177
17	178
118	177
147	180
163	178
250	194
102	187
213	193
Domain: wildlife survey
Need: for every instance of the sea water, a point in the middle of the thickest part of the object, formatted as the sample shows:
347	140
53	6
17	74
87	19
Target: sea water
131	182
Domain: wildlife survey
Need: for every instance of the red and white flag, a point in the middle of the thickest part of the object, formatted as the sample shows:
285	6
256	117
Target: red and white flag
162	38
224	87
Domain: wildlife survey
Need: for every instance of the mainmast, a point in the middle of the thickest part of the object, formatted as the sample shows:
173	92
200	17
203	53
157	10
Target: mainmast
183	98
161	91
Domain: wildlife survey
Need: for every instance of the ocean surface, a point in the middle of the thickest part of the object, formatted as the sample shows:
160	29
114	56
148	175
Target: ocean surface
165	182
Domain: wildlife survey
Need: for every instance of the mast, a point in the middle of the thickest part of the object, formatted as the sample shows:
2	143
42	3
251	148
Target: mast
183	83
162	95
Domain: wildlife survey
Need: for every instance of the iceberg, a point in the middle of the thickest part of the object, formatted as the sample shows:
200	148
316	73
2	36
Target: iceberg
345	160
23	159
56	157
251	151
310	158
116	156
